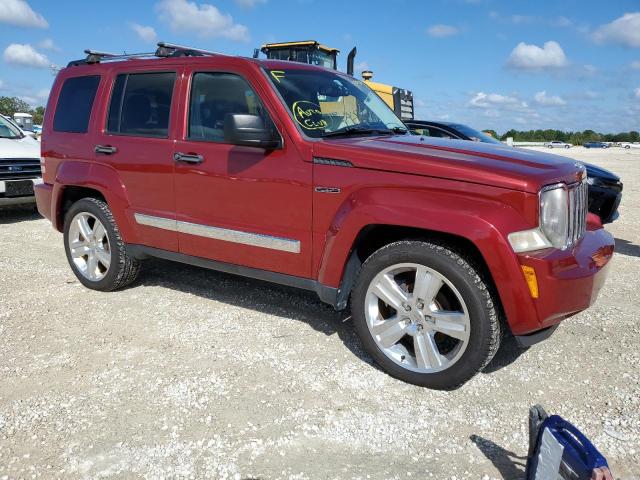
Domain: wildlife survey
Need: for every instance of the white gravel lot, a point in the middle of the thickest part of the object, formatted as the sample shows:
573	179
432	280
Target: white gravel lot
195	374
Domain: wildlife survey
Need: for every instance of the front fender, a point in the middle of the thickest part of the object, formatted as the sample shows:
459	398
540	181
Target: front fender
483	220
99	177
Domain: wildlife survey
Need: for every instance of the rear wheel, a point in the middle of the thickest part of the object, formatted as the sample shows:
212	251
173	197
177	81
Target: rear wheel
425	314
94	248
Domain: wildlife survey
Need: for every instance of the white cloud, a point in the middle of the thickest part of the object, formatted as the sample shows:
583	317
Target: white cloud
47	44
542	98
635	65
361	66
1	85
636	92
249	3
492	100
561	22
533	57
25	55
147	34
204	20
624	30
43	94
441	31
19	13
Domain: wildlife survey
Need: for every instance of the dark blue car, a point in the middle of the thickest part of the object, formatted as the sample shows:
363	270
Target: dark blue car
605	187
595	145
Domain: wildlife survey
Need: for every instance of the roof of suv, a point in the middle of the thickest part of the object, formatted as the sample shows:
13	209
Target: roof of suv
181	55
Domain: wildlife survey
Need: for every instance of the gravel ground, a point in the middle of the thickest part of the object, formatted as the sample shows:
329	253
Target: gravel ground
193	374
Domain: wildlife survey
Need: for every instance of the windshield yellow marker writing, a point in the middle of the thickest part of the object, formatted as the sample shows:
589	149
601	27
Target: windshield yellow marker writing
277	74
308	115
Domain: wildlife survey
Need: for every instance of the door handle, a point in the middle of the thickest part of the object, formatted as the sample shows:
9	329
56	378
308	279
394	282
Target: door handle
188	157
106	149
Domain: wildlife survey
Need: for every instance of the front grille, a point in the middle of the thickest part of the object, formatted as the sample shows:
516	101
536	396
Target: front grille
578	207
19	168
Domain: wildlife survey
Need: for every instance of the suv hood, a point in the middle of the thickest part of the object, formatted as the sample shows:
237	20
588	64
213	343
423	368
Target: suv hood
476	162
25	147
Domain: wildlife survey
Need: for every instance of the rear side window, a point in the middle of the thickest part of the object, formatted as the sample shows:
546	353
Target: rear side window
141	104
75	103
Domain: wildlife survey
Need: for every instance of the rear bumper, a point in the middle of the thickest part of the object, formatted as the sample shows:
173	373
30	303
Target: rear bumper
43	194
568	281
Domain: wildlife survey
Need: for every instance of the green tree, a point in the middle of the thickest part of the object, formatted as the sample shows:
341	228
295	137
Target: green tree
11	105
38	115
491	132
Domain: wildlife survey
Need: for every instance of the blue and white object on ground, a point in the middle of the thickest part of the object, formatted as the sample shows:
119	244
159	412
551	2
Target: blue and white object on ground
559	451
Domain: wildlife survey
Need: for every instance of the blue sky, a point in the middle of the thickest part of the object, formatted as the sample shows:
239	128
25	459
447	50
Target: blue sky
489	63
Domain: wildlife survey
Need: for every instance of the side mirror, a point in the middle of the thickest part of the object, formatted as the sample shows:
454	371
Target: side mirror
249	131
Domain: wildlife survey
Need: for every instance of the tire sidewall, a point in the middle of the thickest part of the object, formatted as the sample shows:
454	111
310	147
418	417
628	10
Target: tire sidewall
474	357
91	206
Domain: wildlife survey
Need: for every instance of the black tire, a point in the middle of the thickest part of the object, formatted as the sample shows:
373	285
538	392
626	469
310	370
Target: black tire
123	269
567	146
485	325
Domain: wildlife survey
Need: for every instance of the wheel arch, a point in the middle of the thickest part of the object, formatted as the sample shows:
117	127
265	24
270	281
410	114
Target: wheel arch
76	180
476	226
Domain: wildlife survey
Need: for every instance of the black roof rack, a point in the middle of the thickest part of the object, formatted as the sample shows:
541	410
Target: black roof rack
164	50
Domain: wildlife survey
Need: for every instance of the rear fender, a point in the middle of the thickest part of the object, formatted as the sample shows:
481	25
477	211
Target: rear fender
101	178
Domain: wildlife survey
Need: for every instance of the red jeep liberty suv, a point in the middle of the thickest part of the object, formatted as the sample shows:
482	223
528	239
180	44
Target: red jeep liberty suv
300	175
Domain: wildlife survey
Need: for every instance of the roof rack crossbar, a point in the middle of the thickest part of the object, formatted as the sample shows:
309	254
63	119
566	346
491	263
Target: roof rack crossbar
166	49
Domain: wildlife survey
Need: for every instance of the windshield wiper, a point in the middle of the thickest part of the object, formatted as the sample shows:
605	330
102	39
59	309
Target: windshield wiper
351	130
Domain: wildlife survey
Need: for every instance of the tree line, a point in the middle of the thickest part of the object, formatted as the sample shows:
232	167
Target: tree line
11	105
576	138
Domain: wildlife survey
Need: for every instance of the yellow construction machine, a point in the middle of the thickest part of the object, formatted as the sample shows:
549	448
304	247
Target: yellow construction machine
315	53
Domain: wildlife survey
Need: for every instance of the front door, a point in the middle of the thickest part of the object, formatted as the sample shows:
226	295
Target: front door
240	205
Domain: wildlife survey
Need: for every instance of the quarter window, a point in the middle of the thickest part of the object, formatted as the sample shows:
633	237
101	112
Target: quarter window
141	104
75	103
213	97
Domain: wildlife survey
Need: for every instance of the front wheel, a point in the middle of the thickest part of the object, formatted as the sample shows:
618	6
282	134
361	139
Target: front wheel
94	248
425	314
627	147
567	146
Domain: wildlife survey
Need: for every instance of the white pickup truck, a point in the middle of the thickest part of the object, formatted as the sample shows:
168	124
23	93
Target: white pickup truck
19	164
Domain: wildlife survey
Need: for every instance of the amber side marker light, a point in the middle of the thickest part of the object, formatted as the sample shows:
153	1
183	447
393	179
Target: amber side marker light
532	281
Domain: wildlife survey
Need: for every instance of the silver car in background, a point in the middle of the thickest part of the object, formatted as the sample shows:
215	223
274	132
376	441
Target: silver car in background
558	144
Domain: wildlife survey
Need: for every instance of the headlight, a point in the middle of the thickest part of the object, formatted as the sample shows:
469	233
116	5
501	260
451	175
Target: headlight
554	222
554	214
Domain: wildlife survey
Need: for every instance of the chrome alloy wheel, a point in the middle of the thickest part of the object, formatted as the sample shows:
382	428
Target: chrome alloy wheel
417	317
89	246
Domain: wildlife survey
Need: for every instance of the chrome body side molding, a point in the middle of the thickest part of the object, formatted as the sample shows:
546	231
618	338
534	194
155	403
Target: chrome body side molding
217	233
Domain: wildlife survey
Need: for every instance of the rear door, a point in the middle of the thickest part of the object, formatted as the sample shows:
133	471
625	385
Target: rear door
239	205
136	139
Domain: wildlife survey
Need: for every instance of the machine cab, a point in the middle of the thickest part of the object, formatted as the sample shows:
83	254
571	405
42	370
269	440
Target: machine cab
307	51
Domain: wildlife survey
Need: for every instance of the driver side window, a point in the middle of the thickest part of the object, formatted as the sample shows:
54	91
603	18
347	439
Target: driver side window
216	95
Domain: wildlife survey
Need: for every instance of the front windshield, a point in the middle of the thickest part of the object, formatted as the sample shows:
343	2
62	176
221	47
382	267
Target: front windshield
325	103
8	130
475	135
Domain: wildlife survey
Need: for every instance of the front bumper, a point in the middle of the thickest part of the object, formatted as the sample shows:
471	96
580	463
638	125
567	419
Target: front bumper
6	199
568	281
